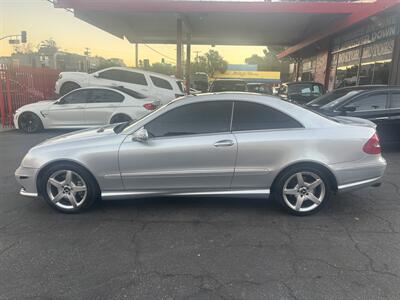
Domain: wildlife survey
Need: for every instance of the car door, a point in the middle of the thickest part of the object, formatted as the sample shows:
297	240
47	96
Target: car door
372	106
264	136
69	110
393	126
134	80
190	148
100	106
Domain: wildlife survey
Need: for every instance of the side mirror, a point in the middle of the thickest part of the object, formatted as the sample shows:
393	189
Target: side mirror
348	109
141	135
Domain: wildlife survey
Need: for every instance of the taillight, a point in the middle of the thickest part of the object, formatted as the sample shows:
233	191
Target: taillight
150	106
372	146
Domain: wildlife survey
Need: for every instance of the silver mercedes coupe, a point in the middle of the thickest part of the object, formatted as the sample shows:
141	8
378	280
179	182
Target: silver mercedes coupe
212	144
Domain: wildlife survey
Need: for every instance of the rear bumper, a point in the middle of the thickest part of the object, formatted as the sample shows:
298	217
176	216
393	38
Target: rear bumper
360	174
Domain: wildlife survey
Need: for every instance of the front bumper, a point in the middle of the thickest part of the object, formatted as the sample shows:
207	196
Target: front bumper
26	177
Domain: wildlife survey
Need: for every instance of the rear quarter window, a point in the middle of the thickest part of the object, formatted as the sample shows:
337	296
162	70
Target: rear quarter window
161	83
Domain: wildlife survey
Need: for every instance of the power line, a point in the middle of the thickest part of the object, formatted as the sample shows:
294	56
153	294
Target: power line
158	52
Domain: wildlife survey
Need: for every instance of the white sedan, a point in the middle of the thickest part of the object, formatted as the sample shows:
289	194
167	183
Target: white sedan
85	108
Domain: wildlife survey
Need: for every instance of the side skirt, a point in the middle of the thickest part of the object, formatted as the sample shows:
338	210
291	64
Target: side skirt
220	193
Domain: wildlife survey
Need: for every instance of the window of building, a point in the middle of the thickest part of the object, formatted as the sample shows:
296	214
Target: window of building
254	116
196	118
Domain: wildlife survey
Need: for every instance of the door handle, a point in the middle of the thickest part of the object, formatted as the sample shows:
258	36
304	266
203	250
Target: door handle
224	143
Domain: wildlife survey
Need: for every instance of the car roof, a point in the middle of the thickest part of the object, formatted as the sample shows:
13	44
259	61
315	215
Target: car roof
142	71
302	82
230	79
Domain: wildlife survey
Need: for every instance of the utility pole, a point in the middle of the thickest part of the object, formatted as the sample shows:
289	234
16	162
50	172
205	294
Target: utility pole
197	55
87	54
136	55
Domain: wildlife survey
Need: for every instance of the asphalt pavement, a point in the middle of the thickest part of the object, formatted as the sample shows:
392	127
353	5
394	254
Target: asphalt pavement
197	248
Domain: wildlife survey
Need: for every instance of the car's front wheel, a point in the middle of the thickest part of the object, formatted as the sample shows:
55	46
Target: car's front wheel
303	190
69	188
29	122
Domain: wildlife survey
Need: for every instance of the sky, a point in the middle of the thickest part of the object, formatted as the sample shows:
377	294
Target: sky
42	21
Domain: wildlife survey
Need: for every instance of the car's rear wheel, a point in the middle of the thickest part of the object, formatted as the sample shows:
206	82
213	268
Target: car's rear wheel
120	118
30	122
69	188
303	190
68	87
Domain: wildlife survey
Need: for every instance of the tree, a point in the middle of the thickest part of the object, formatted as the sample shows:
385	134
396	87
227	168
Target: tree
48	47
163	68
210	63
268	62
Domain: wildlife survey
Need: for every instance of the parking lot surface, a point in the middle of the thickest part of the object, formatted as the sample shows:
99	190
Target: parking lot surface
197	248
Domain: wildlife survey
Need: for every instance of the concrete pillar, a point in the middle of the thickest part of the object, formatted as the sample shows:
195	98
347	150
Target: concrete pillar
188	58
136	55
179	48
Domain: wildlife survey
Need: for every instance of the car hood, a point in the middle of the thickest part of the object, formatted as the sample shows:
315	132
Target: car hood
40	104
74	74
354	121
80	136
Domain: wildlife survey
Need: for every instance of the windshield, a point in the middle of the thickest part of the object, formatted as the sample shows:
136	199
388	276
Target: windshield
339	100
329	97
228	86
306	88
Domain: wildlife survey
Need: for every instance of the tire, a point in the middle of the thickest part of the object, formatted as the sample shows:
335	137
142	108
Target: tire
120	118
29	122
68	87
69	188
303	194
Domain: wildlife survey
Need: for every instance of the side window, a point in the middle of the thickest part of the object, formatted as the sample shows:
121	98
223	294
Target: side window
161	83
75	97
371	102
395	100
134	77
104	96
196	118
254	116
112	75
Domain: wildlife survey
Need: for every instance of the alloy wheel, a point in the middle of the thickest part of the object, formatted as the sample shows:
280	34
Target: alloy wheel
29	123
66	189
304	191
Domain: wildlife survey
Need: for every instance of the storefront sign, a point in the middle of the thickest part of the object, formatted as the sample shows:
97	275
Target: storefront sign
381	29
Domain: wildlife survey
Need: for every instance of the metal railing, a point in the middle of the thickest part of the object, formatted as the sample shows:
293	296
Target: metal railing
23	85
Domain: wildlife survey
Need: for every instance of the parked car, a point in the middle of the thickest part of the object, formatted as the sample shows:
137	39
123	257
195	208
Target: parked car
163	87
300	92
379	104
338	93
228	85
260	88
200	81
211	144
83	108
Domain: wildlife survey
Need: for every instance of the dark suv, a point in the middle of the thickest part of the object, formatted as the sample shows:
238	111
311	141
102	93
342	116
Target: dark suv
379	104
